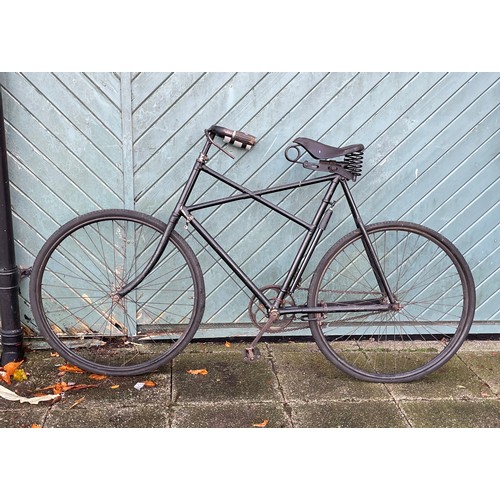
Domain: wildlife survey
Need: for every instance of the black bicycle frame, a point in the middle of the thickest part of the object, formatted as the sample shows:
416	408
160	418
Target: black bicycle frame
306	250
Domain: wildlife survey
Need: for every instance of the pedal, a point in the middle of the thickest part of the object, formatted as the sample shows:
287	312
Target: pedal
251	354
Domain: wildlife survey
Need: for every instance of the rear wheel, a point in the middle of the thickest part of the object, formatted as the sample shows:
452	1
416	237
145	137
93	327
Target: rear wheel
435	295
73	293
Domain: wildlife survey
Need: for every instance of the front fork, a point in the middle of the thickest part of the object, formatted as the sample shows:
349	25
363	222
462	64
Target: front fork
172	222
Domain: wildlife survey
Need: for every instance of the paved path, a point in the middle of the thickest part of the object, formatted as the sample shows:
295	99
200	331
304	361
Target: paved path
293	385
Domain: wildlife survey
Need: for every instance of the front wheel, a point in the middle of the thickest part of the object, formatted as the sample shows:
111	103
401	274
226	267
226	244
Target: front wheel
435	302
74	284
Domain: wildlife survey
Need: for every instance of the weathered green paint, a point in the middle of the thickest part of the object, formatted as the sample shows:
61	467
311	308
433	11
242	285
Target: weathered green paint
83	141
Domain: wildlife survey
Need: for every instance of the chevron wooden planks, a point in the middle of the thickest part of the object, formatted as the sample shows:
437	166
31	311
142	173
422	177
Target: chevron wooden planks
84	141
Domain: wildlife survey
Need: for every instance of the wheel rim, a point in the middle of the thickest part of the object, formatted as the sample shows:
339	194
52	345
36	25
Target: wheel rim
85	320
425	328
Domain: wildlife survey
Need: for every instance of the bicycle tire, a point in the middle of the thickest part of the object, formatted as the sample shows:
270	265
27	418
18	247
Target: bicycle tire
431	281
74	302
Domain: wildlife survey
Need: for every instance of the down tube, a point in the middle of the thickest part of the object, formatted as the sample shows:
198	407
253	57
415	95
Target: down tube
230	262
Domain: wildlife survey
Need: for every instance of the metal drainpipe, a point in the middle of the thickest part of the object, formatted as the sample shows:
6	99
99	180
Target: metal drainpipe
12	335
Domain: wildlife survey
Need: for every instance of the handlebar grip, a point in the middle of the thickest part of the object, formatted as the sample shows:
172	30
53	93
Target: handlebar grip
234	137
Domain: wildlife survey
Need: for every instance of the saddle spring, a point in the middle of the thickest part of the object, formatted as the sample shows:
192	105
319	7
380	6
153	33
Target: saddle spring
353	162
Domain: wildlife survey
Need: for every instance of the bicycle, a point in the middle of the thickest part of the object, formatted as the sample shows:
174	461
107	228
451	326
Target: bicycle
120	292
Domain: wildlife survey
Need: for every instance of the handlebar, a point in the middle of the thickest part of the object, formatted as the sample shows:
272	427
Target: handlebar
234	137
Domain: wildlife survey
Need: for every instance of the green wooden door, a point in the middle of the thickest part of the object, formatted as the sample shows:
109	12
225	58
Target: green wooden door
79	142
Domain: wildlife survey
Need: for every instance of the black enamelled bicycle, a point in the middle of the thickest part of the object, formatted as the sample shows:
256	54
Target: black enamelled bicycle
120	292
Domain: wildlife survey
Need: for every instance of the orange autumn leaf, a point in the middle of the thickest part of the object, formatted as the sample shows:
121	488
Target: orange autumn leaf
36	426
262	424
149	383
13	366
202	371
58	388
9	370
95	376
61	387
114	387
70	368
227	344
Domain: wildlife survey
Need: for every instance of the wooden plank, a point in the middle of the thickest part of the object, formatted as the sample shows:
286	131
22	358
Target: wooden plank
69	150
127	142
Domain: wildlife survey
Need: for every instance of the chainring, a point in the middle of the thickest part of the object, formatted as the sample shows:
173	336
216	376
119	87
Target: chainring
258	313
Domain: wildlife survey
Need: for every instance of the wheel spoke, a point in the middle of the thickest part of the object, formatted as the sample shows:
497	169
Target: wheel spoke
428	278
78	310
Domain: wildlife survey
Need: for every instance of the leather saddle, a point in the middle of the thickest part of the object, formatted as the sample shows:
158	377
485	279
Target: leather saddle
321	151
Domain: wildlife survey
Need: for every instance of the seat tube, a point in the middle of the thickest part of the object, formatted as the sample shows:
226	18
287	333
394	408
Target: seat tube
309	243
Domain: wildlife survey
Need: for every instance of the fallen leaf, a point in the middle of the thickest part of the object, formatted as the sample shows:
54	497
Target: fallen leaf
20	375
64	387
95	376
114	387
70	368
9	369
77	402
202	371
13	366
57	388
54	355
36	426
149	383
77	387
227	344
262	424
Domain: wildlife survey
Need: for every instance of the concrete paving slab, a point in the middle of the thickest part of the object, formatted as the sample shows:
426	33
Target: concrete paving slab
293	385
43	372
206	348
486	365
366	414
293	346
454	380
119	391
132	416
231	415
229	377
453	414
42	369
25	416
480	346
309	376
